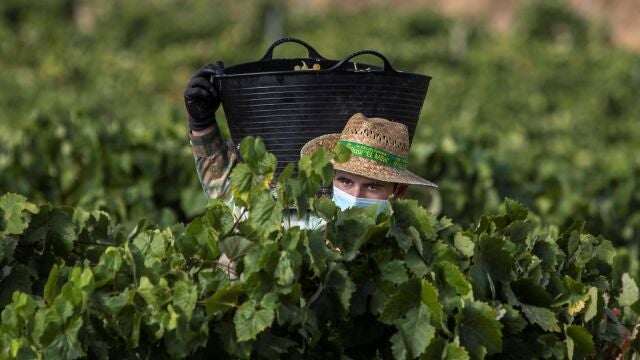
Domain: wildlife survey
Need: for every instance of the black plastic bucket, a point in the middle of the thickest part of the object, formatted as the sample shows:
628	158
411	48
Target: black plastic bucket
287	108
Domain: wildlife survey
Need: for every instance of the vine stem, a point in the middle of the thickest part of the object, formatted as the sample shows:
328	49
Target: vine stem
235	224
95	243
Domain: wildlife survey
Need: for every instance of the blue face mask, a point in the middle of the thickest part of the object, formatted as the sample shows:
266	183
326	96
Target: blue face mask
345	201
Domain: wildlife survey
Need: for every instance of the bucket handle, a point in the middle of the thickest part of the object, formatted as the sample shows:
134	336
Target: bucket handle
387	65
313	54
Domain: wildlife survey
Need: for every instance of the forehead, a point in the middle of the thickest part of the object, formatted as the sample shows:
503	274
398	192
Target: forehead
357	178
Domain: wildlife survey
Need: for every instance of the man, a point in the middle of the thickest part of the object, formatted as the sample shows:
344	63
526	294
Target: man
375	172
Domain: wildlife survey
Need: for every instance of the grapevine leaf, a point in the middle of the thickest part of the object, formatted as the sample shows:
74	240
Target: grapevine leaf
18	280
394	271
265	215
490	254
55	226
429	297
407	214
136	321
512	320
251	319
339	284
518	231
52	288
230	343
318	252
528	292
235	246
325	208
435	350
480	332
541	316
405	298
491	263
242	180
116	303
145	289
286	174
284	272
293	189
7	249
605	252
260	162
185	297
222	300
629	294
332	300
270	301
549	253
414	334
443	223
455	352
66	344
15	314
261	258
149	250
219	217
440	349
579	341
451	277
199	241
515	210
592	309
341	153
352	232
16	212
416	264
443	252
3	223
581	247
463	244
109	264
552	347
252	150
272	347
317	164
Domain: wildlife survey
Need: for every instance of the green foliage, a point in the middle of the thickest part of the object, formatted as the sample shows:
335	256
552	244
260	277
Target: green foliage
553	21
547	116
401	284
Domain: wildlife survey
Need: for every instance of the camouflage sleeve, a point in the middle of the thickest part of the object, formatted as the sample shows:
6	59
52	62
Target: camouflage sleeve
215	158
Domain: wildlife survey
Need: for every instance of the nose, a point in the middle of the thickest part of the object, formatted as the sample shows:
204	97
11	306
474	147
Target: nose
355	190
360	191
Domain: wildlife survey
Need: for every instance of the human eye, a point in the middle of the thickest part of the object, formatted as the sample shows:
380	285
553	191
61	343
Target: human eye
374	187
345	181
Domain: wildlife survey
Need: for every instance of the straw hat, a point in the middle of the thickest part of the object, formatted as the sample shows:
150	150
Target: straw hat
379	150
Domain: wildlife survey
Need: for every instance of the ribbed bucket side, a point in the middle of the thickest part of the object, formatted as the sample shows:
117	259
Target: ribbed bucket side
286	112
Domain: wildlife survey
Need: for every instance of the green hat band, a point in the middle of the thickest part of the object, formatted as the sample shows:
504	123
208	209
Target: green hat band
377	155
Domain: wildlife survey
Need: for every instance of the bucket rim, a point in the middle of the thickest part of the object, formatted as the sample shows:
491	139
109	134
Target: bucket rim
324	71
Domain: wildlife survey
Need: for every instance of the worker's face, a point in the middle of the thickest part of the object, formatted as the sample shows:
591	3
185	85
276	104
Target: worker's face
364	187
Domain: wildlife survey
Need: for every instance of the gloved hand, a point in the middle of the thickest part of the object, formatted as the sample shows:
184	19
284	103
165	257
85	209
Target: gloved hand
201	97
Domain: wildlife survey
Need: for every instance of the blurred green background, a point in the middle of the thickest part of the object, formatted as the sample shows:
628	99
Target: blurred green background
91	108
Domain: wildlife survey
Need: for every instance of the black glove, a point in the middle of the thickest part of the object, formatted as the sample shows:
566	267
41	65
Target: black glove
201	97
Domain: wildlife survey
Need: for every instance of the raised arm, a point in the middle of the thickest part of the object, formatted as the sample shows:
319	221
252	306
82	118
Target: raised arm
214	157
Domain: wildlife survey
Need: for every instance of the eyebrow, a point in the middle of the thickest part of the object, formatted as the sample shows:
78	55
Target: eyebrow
374	183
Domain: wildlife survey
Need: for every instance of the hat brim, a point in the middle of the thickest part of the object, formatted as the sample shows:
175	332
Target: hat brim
365	167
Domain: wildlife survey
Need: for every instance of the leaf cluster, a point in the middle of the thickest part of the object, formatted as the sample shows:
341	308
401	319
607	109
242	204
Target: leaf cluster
401	284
